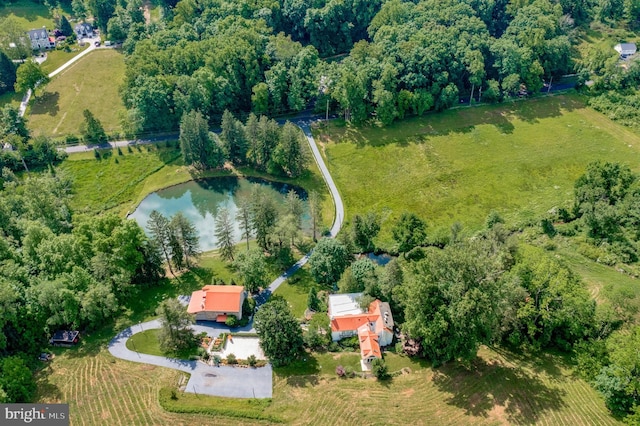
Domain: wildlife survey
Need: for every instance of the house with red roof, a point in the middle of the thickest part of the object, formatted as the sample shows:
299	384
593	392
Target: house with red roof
374	327
216	302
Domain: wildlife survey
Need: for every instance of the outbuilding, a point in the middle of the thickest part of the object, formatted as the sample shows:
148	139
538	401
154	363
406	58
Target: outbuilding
626	49
65	338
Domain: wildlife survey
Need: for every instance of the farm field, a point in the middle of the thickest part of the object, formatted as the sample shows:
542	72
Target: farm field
519	159
91	83
499	388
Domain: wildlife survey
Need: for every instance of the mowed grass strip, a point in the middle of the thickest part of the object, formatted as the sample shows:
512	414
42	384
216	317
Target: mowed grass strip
91	83
520	159
103	390
497	388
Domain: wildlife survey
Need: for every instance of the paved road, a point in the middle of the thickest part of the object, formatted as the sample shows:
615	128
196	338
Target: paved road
233	382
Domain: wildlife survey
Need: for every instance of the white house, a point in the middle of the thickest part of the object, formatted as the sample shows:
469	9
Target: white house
374	328
40	39
626	49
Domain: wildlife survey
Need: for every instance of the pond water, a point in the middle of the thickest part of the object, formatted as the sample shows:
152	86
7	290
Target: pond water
200	201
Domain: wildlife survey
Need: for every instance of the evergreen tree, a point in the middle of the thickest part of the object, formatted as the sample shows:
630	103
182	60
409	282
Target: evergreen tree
224	234
244	219
65	27
234	142
7	74
159	227
187	242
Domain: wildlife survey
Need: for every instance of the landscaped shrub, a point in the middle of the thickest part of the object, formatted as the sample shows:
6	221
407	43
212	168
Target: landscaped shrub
350	343
340	371
231	359
348	371
232	321
217	360
252	361
248	306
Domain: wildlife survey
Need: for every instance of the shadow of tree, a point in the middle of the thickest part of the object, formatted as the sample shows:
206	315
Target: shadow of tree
458	121
46	389
523	395
47	103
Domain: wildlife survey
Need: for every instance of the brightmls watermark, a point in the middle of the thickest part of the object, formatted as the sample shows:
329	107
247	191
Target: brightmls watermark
34	414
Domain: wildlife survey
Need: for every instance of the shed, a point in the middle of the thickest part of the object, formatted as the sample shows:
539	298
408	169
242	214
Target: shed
626	49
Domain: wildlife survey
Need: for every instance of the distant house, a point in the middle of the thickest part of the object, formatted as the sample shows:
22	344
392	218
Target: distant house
216	302
83	30
40	39
374	327
65	338
625	49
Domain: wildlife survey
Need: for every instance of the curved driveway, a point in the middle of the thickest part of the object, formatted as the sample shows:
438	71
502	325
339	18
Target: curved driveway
234	382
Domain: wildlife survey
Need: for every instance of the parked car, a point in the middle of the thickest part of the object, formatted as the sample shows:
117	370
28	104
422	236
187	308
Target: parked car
45	357
97	43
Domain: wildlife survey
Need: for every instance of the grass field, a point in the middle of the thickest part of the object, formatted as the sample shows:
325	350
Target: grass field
499	388
28	14
91	83
55	58
520	159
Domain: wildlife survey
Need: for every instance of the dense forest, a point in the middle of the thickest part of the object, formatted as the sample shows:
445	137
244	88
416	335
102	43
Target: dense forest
394	58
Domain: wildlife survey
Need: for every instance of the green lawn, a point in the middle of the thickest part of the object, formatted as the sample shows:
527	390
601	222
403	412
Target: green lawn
520	159
29	14
91	83
55	58
296	291
145	342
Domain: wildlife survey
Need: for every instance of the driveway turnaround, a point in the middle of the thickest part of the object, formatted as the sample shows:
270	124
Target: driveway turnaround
233	382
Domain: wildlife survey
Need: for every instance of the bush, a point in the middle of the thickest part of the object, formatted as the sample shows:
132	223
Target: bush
340	371
350	343
174	395
348	371
217	360
232	321
379	369
252	361
548	228
333	347
231	359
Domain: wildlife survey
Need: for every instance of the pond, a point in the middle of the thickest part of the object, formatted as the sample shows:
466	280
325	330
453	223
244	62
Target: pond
200	201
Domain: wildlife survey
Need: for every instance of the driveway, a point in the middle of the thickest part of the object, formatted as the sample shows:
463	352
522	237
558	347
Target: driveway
233	382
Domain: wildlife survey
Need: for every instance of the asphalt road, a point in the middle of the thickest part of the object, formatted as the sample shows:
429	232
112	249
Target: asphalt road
232	382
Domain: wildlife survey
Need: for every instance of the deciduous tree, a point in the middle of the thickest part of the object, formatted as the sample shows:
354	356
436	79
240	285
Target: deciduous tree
279	332
28	76
328	261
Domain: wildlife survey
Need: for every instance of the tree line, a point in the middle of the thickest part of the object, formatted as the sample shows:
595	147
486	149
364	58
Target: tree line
260	143
60	270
